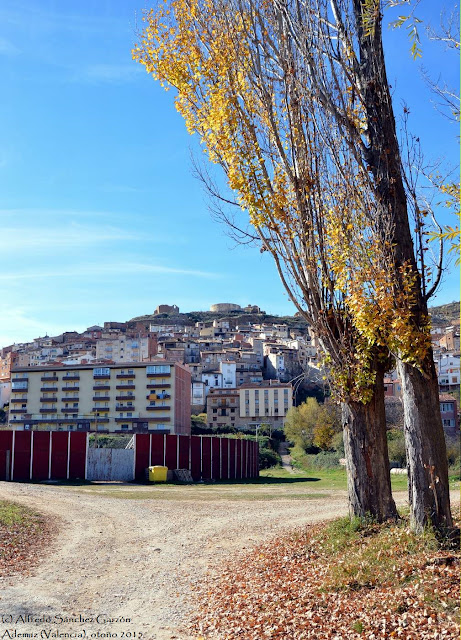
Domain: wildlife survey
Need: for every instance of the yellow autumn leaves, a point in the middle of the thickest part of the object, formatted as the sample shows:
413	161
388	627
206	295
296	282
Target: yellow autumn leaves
255	119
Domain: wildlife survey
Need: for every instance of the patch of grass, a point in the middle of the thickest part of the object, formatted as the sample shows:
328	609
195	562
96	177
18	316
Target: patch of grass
22	534
15	515
358	626
201	493
368	554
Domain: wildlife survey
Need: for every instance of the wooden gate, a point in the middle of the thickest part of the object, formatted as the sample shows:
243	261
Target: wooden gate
110	464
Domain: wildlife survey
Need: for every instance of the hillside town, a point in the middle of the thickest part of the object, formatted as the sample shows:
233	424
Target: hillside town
239	366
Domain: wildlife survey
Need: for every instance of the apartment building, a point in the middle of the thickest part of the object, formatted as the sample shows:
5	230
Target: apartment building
449	412
126	348
265	403
8	359
448	369
250	405
223	408
129	397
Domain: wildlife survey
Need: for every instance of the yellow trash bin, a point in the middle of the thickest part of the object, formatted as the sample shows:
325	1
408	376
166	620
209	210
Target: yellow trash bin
158	473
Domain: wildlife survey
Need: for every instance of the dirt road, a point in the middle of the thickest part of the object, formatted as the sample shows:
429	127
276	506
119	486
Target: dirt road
135	553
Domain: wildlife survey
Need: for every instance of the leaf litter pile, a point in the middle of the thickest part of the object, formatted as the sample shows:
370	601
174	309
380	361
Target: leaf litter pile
336	581
23	535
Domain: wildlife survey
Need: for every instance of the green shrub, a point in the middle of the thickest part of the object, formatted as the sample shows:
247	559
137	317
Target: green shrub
396	447
325	460
268	458
337	444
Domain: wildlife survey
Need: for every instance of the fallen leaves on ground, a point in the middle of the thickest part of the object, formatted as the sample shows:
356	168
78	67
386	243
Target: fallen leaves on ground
23	536
302	587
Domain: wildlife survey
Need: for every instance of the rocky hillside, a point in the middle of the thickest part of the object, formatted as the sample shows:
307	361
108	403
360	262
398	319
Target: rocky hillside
445	314
234	318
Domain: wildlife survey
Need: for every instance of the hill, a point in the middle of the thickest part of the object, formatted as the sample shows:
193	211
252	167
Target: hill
234	318
445	314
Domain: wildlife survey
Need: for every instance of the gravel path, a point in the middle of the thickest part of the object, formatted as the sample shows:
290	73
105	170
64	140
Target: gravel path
139	559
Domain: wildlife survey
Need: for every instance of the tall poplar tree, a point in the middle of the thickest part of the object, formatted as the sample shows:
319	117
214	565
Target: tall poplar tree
291	99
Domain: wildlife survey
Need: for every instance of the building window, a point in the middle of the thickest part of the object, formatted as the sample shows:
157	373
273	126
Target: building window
158	368
21	384
101	371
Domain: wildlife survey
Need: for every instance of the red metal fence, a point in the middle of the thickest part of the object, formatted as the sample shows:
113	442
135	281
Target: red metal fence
63	455
206	457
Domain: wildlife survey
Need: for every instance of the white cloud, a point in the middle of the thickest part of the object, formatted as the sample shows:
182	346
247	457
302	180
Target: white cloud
73	235
98	270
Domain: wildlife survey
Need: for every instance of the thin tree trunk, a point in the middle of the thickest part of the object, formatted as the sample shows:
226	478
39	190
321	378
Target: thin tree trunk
367	459
428	488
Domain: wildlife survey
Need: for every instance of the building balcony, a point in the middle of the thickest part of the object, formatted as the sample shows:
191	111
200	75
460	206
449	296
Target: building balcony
101	387
20	410
125	375
134	417
121	407
158	408
68	410
45	410
69	377
158	386
125	386
152	419
48	399
49	389
18	401
23	379
127	397
101	376
158	375
49	378
70	388
158	396
101	398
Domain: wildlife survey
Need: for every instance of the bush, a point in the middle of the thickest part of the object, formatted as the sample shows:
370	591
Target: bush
268	458
337	444
454	455
396	447
325	460
109	442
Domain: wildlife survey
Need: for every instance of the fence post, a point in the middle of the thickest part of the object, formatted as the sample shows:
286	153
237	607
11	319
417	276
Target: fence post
31	454
68	454
12	454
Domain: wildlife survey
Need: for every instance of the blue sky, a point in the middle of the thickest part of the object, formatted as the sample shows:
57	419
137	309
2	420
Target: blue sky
100	216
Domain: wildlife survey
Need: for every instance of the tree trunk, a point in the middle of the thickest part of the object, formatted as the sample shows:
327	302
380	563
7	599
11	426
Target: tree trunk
425	441
428	488
367	459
